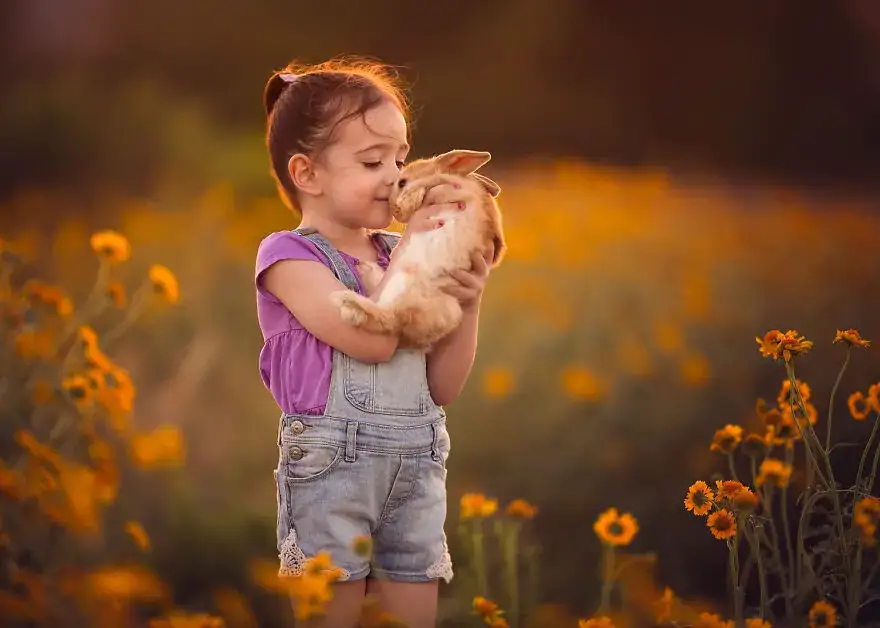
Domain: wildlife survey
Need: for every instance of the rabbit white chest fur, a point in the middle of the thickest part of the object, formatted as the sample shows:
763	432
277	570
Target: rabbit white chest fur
412	302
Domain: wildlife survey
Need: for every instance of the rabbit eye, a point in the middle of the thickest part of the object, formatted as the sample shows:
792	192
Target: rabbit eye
401	184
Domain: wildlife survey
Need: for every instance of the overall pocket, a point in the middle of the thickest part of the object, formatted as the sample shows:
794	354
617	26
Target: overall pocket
307	461
399	386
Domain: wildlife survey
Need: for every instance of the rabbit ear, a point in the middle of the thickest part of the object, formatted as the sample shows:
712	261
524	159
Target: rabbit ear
462	161
491	187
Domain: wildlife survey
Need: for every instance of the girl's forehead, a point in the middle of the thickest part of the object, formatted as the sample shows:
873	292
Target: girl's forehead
381	124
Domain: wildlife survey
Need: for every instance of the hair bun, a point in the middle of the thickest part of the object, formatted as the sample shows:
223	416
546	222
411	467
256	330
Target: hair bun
274	88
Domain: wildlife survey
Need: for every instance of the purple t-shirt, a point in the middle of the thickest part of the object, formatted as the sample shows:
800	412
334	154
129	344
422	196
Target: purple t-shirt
294	365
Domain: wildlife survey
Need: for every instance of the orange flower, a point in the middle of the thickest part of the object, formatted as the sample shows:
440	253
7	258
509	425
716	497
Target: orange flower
111	246
727	489
663	607
775	472
497	382
722	524
745	500
866	516
852	338
711	620
485	609
596	622
777	345
477	505
757	622
116	294
822	615
811	416
521	509
858	406
785	392
615	529
581	384
755	445
164	283
726	439
699	498
138	535
874	397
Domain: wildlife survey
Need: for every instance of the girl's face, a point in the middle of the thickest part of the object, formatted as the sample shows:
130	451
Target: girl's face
357	171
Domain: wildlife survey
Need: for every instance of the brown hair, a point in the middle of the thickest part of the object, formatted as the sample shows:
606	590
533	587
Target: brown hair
305	104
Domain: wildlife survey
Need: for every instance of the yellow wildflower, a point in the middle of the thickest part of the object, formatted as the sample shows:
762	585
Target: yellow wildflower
852	338
477	505
615	529
596	622
116	294
726	439
182	619
699	498
775	472
497	382
822	615
859	407
521	509
581	384
776	344
137	533
162	447
164	283
785	392
111	246
722	524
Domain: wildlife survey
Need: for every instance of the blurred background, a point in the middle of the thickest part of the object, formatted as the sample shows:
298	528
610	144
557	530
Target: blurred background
677	177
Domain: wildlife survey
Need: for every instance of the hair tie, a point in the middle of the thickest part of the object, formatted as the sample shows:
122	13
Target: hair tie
288	77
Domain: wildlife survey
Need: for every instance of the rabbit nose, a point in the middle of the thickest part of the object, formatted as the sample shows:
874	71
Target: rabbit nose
401	183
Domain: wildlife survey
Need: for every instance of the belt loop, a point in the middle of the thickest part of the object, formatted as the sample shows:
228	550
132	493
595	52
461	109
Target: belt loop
350	441
435	451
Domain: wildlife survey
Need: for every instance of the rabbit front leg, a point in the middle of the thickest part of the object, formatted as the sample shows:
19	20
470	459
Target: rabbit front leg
363	313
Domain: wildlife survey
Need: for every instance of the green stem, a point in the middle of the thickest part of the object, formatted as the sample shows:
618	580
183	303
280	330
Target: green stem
738	602
138	305
533	562
793	576
479	557
755	543
733	475
831	399
607	579
864	456
511	545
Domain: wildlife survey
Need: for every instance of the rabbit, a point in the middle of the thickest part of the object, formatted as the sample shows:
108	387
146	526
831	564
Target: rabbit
412	303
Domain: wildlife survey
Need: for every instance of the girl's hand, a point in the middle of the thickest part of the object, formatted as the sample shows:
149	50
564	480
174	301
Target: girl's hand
440	199
470	284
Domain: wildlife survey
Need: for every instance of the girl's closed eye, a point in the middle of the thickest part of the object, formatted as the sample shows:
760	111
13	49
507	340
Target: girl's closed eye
372	165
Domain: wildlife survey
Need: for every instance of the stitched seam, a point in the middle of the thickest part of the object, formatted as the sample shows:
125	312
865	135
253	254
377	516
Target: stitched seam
400	502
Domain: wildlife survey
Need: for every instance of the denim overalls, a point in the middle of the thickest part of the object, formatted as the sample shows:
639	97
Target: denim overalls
374	465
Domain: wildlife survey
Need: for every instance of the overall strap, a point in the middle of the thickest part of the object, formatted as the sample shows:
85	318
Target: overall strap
388	239
337	264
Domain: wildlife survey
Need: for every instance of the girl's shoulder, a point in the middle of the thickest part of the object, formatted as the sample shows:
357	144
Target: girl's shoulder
282	245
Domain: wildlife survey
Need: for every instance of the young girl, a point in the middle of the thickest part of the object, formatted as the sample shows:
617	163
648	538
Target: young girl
363	439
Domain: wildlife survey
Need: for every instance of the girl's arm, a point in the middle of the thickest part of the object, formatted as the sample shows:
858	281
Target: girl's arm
304	287
451	359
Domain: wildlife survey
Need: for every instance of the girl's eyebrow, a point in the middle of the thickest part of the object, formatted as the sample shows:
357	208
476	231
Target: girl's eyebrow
381	145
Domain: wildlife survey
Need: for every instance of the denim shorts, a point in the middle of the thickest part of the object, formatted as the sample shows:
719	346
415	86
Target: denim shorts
339	479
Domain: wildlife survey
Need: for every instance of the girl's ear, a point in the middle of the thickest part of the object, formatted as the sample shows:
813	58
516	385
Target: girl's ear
462	161
302	172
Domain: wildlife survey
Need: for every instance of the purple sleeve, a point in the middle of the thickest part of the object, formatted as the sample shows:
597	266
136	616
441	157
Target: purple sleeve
279	246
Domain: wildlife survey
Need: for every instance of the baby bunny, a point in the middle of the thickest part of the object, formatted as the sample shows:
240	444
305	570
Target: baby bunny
412	304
